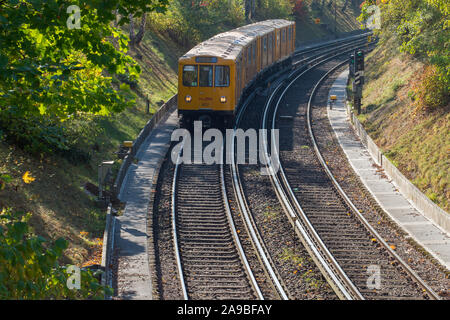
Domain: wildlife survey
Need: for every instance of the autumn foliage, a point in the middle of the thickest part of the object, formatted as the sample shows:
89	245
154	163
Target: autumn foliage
299	9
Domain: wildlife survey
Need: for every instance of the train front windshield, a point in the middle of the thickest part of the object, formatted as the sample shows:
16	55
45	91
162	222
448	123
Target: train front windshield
194	75
222	76
190	76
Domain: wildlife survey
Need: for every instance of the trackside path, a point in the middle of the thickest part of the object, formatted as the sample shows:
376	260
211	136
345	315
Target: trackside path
133	272
423	231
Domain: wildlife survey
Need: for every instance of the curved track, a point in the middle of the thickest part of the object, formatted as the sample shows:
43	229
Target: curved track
344	245
211	261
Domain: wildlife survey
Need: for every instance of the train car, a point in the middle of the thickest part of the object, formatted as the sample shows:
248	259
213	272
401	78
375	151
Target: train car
214	75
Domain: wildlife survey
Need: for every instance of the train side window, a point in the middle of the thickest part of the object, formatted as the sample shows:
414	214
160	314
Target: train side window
206	76
289	33
265	44
249	55
222	77
284	35
190	76
270	42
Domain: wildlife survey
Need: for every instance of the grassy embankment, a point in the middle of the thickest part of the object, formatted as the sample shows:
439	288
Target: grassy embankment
415	140
56	198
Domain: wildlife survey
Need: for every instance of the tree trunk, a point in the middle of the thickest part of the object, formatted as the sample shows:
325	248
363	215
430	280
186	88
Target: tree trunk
141	32
345	5
249	6
132	35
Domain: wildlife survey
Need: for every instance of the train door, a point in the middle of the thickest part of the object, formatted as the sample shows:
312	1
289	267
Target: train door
244	67
241	74
274	47
289	43
254	58
293	37
261	54
264	51
278	45
270	49
238	82
248	66
286	41
290	39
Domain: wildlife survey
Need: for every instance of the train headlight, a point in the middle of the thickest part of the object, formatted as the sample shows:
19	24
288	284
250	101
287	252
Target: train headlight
223	99
188	98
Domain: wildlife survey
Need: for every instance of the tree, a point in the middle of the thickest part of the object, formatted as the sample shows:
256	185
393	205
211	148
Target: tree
29	269
421	28
250	6
344	7
140	34
299	9
135	39
58	60
48	68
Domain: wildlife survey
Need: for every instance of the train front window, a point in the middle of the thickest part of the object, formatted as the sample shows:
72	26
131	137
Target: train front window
206	76
190	76
222	76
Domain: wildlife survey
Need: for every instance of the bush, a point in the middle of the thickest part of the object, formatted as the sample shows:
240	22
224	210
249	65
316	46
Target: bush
432	92
422	30
30	270
72	139
300	9
273	9
36	135
190	22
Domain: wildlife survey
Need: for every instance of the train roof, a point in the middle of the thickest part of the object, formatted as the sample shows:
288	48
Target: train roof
229	44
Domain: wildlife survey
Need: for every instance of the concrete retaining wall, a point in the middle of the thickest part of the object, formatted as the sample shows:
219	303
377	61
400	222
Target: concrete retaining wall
108	247
141	137
108	235
427	207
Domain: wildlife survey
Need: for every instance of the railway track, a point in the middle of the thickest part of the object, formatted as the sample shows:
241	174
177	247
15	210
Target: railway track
343	244
211	262
250	224
210	259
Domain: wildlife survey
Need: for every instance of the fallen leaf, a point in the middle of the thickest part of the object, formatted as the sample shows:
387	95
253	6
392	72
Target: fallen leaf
27	178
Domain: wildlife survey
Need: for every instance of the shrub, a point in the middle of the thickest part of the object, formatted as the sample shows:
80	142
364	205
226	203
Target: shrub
30	270
273	9
299	9
432	92
71	139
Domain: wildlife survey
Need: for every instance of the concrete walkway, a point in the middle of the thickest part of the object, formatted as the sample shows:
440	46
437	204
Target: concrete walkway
422	230
134	276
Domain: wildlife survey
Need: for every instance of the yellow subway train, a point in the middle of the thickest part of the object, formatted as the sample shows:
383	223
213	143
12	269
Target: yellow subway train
213	75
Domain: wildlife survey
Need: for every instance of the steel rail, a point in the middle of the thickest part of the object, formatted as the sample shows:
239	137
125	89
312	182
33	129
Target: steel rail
333	49
331	43
350	203
253	281
174	226
237	242
331	270
309	61
256	238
